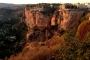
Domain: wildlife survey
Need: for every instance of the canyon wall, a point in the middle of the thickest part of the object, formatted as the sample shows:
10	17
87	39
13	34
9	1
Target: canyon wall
34	17
65	19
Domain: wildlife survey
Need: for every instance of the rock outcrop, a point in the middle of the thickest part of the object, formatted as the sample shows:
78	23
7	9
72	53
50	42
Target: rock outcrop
83	30
33	17
65	19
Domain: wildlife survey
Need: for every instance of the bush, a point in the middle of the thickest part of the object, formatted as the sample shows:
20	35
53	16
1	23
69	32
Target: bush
48	10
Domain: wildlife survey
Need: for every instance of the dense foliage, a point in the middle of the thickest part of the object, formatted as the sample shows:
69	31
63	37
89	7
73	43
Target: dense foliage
48	10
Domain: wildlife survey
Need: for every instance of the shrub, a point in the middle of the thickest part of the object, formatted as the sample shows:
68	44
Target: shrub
48	10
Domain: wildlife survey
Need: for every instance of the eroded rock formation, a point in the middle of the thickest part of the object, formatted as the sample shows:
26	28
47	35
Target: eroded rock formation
64	19
34	17
67	18
83	30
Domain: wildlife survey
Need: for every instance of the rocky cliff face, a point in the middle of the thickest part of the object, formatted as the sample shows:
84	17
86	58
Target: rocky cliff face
64	18
34	17
67	18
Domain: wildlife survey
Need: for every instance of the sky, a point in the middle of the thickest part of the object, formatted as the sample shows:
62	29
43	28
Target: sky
43	1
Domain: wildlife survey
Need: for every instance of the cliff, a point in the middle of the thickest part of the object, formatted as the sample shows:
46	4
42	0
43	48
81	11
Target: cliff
67	18
49	29
64	19
33	17
84	28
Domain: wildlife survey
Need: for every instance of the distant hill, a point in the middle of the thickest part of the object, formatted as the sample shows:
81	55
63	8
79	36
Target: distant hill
6	5
3	5
9	13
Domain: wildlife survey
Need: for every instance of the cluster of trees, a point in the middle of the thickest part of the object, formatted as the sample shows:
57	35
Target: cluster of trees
48	8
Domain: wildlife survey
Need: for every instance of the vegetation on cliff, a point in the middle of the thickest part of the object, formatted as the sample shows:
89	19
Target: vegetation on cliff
48	8
56	48
66	46
48	43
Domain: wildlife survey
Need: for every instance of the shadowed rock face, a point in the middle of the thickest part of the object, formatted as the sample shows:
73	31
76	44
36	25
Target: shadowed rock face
64	18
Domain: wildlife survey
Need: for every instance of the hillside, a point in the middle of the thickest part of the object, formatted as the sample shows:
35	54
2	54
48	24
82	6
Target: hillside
2	5
5	5
45	32
55	41
57	48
